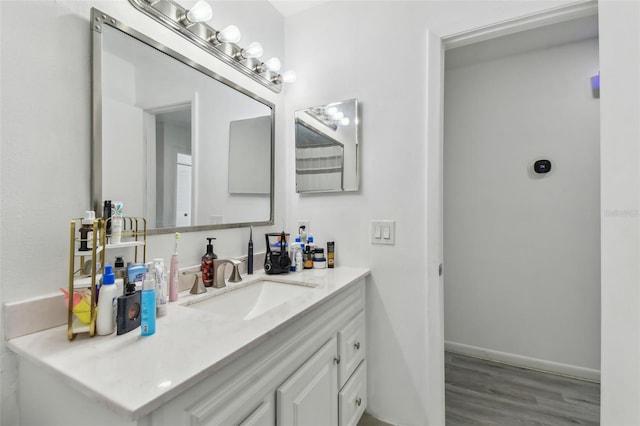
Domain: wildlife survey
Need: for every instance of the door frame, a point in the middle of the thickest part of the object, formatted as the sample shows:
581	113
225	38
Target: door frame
437	45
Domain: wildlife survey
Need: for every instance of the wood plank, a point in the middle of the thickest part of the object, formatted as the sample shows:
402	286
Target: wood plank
491	393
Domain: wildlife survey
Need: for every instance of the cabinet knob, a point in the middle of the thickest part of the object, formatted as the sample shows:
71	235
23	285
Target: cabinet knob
336	359
356	345
358	401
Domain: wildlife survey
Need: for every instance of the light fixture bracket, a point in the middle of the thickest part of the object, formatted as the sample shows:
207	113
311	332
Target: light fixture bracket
170	14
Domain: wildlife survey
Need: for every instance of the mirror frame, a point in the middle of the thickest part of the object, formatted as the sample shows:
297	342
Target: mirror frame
98	19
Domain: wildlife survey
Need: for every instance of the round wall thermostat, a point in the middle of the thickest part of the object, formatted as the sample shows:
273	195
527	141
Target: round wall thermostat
542	166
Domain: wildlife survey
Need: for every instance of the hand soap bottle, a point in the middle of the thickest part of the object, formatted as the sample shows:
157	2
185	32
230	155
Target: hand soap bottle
206	265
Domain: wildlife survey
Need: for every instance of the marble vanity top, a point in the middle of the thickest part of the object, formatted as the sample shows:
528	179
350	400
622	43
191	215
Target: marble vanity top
134	375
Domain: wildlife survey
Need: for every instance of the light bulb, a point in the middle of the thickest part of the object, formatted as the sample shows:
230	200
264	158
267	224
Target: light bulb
273	65
230	34
339	116
200	12
332	111
345	121
254	50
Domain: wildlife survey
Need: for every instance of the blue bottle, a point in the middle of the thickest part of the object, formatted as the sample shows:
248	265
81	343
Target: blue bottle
148	308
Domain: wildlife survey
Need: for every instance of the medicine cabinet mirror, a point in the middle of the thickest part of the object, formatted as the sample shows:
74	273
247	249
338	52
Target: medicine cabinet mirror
174	141
327	147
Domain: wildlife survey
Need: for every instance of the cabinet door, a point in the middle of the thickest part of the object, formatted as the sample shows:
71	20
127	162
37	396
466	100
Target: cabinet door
262	416
310	396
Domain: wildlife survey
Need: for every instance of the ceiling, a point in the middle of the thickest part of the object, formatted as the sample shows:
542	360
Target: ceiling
291	7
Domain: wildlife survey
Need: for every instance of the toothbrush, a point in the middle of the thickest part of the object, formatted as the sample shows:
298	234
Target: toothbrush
250	253
173	273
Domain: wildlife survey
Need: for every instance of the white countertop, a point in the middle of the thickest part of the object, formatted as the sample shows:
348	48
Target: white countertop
188	346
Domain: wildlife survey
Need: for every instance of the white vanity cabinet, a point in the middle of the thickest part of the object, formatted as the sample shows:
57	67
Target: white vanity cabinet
309	370
293	378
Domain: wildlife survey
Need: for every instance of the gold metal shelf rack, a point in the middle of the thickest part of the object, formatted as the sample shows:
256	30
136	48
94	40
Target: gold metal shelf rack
86	266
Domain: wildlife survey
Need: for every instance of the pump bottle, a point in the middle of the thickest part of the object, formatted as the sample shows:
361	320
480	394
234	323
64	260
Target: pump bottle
206	265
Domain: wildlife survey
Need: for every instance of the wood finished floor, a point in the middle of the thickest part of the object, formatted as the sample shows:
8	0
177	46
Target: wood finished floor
480	392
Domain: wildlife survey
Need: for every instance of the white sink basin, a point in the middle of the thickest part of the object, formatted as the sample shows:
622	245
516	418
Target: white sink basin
250	301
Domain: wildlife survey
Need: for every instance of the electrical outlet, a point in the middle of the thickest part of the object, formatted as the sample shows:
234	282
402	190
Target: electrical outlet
305	223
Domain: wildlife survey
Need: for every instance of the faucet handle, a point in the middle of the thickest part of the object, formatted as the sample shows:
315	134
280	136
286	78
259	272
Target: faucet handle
235	274
198	285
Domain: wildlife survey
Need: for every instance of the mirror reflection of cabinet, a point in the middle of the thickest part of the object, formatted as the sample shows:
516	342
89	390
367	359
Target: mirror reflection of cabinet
327	147
163	142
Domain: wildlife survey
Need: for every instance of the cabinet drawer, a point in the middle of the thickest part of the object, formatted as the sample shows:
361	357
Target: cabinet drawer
351	347
352	399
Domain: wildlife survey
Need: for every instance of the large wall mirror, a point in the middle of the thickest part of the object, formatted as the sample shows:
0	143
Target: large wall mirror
172	140
327	147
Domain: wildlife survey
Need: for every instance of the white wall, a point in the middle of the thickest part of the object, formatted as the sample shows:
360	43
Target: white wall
522	250
46	134
619	23
352	57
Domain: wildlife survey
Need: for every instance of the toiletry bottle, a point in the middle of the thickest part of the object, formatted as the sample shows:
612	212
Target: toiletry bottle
161	287
299	259
319	261
308	258
128	317
86	231
136	273
148	306
250	253
119	269
331	247
106	321
302	231
173	272
311	242
116	229
206	266
106	215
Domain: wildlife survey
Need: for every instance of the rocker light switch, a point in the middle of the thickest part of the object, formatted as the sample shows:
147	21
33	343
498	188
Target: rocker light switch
383	232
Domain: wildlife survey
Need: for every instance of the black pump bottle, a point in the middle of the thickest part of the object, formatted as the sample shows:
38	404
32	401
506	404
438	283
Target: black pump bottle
207	264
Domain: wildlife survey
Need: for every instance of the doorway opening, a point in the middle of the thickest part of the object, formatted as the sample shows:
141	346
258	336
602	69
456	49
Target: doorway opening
522	244
169	165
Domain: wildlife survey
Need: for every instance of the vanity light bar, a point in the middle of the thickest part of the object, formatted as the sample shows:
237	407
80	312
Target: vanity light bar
172	15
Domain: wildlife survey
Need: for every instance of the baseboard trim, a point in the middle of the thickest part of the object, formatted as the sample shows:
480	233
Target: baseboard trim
524	361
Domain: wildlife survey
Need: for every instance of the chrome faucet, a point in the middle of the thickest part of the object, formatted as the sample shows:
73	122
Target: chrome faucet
218	272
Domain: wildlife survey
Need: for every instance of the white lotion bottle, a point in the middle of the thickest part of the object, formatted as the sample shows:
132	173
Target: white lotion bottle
107	303
116	229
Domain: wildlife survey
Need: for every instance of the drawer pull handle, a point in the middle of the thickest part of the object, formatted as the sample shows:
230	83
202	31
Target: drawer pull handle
356	345
358	401
336	359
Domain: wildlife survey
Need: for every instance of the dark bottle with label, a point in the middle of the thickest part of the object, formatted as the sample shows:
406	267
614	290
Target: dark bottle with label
106	215
128	314
206	266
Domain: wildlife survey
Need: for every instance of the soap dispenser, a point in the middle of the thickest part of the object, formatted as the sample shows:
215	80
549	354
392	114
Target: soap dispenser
207	264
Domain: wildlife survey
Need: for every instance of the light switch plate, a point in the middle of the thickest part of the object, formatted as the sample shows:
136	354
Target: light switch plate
383	232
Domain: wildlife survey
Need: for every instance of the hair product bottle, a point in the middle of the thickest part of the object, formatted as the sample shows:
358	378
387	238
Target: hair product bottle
148	306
